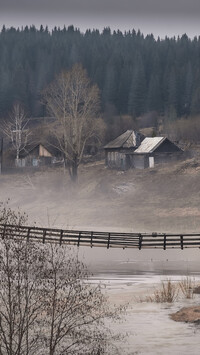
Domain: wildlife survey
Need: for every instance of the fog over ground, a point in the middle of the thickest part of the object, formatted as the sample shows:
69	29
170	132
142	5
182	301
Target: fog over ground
160	200
165	198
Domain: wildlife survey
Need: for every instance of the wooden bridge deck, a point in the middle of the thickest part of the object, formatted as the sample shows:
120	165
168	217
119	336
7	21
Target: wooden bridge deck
102	239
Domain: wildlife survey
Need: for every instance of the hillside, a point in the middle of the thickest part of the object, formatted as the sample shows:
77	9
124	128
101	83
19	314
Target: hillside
136	74
163	199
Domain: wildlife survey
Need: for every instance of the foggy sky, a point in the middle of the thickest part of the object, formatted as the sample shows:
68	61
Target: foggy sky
159	17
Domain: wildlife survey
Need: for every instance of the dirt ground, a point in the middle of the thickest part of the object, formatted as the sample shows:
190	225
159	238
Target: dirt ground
165	199
187	314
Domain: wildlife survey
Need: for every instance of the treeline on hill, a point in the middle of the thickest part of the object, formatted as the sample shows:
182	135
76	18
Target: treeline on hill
135	74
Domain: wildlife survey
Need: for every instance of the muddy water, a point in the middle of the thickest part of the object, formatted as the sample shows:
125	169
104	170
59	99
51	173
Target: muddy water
148	325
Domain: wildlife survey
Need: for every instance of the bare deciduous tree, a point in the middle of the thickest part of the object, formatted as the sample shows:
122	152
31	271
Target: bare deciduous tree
75	310
47	305
16	129
19	279
74	102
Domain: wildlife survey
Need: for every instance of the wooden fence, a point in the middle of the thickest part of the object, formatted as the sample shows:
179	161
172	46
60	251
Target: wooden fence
101	239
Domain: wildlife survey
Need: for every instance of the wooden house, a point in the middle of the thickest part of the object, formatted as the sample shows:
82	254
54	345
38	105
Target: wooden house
154	151
40	155
117	151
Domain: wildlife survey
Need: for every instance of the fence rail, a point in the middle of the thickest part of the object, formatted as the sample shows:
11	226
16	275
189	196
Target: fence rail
102	239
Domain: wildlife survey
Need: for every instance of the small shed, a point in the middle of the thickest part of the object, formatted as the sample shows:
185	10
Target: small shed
154	151
117	152
39	155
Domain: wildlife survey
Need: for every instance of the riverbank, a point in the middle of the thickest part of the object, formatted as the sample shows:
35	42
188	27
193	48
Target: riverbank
187	314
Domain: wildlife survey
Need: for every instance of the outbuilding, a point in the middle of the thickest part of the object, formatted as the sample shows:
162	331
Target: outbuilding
118	151
152	151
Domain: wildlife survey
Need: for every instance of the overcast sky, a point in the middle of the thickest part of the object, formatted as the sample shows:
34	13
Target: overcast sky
160	17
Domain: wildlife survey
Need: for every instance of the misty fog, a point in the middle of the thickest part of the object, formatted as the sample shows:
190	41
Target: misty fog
159	200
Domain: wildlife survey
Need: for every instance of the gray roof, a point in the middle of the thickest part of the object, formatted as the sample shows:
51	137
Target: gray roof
148	145
129	139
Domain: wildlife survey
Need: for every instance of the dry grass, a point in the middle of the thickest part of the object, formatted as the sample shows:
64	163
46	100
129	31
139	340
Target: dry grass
170	291
187	286
167	293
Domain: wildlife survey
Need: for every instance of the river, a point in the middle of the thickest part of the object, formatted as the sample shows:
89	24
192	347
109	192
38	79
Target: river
130	275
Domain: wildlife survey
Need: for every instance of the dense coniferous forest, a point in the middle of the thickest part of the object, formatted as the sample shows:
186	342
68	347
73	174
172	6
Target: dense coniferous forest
135	74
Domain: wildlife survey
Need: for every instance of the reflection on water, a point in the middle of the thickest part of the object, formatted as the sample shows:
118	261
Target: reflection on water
150	330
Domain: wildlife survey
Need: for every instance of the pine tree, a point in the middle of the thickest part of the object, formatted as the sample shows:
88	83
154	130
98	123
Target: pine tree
137	95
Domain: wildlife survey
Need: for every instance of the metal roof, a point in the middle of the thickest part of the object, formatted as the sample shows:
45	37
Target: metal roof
148	145
129	139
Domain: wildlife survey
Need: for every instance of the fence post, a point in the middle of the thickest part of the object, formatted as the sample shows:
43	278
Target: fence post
44	236
181	240
140	241
61	236
165	240
108	244
79	238
28	234
91	239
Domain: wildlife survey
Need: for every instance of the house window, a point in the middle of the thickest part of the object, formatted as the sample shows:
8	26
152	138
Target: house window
35	162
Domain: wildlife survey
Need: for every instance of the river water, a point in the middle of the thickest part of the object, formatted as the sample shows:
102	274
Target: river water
149	328
133	275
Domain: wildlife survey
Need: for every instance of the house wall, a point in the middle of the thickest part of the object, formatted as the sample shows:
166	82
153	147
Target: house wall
43	152
161	158
34	160
116	160
139	161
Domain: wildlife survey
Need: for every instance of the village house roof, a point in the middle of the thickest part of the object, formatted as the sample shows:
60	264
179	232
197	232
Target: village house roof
129	139
29	149
149	145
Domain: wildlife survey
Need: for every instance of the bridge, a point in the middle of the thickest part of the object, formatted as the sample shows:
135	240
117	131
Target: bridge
101	239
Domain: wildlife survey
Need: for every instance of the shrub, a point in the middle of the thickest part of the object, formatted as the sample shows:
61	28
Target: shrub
167	293
186	286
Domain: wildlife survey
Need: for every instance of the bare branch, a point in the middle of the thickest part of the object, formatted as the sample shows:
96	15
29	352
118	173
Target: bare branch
74	102
46	304
16	129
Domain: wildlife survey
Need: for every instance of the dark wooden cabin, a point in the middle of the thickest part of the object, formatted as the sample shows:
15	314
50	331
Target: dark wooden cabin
116	151
152	151
39	155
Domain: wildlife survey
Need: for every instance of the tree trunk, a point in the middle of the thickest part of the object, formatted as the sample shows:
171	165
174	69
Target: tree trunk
17	159
74	171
